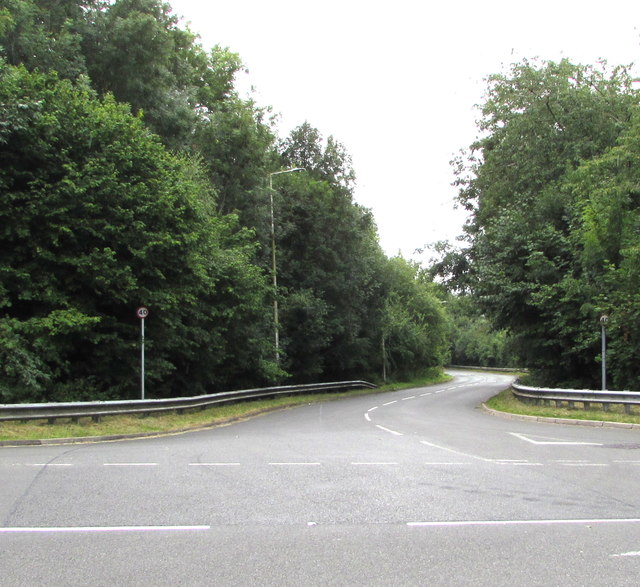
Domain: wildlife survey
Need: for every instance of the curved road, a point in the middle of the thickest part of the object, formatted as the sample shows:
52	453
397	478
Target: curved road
412	487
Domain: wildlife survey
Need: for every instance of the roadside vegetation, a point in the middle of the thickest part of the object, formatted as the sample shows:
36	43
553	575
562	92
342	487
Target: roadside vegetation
507	402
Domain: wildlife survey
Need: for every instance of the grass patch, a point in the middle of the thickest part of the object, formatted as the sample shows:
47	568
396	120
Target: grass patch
171	422
507	402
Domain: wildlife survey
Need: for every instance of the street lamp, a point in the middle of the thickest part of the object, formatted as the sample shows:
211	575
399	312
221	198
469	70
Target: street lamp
274	272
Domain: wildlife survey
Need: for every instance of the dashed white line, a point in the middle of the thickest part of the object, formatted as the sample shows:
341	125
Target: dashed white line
129	464
389	430
367	417
214	464
404	399
395	401
295	464
373	464
49	465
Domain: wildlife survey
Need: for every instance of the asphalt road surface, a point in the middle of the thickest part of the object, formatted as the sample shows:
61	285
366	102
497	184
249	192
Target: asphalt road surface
414	487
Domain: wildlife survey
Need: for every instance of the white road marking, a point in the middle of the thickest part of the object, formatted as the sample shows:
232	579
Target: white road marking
388	430
554	442
459	523
80	529
295	464
632	553
426	394
446	464
395	401
372	464
373	408
456	452
404	399
214	464
130	464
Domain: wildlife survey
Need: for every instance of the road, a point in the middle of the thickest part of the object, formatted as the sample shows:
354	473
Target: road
412	487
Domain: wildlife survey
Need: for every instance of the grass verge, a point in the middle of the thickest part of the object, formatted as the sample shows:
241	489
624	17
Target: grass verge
507	402
170	422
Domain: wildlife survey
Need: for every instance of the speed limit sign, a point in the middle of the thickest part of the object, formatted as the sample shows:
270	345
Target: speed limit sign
142	312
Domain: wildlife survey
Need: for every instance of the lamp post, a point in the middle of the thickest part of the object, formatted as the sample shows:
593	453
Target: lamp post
603	324
274	272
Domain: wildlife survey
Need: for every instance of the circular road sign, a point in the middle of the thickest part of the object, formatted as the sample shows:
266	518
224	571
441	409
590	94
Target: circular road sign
142	312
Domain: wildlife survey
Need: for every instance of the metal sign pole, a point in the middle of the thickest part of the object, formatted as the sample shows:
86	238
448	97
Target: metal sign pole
142	359
142	313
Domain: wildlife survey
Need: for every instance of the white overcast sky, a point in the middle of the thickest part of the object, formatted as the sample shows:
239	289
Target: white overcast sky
396	82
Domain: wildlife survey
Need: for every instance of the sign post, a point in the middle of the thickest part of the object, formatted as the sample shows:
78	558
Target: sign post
142	313
603	323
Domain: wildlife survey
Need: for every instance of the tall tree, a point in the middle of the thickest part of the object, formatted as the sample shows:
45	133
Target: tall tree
107	220
539	122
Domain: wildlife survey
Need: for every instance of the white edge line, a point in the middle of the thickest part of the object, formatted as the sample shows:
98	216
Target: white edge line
80	529
460	523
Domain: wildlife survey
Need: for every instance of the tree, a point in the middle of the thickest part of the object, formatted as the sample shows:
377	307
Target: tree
97	218
538	123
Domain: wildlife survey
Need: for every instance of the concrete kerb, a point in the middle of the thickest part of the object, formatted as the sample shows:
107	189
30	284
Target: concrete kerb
570	421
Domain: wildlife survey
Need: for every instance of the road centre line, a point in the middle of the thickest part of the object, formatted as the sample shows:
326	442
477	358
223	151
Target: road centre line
367	417
129	464
404	399
85	529
462	523
214	464
373	464
295	464
395	401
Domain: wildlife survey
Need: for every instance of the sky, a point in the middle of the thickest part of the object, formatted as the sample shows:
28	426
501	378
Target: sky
397	83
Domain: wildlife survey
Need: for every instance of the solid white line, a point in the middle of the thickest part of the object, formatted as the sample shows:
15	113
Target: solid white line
387	430
79	529
454	524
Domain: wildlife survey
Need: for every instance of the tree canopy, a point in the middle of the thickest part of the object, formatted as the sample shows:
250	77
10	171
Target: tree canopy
547	206
133	173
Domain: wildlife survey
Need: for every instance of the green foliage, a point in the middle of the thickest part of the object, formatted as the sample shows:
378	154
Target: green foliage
414	325
109	220
131	172
530	252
